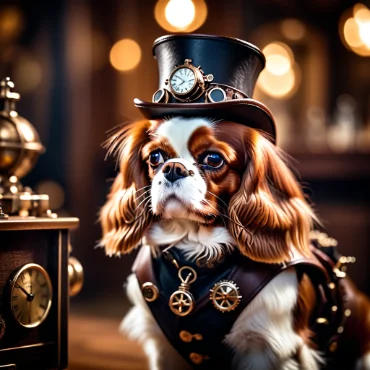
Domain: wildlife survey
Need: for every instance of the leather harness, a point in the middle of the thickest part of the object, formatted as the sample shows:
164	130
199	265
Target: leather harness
199	336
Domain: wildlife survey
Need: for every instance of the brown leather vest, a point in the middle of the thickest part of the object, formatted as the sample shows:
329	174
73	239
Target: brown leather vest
198	336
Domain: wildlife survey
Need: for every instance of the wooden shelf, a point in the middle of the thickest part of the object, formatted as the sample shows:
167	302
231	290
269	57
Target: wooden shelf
38	223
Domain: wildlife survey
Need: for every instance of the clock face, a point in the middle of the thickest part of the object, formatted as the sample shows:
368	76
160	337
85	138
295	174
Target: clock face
182	81
30	295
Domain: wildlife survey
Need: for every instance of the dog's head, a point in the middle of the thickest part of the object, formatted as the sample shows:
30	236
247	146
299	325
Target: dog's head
213	173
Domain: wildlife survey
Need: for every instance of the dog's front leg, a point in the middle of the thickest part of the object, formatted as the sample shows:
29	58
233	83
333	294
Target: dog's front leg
263	336
139	325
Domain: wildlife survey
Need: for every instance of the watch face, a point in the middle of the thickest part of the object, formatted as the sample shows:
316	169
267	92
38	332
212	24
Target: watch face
30	295
182	80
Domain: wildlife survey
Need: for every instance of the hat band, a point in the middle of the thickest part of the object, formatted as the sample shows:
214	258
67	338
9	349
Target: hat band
215	93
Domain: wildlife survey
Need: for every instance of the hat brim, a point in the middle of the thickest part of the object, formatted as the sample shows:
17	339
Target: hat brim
248	112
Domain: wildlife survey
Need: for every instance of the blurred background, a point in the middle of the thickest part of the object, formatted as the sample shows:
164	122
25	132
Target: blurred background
79	64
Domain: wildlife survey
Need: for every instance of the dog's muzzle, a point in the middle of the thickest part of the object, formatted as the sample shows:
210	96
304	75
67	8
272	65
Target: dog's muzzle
174	171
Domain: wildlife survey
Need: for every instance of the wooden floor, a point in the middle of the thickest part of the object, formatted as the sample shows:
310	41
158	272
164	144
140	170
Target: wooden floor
96	344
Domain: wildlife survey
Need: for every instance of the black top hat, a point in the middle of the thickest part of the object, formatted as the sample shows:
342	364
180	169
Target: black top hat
208	76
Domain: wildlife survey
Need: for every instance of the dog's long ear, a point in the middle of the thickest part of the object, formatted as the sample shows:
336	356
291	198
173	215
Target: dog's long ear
125	216
269	212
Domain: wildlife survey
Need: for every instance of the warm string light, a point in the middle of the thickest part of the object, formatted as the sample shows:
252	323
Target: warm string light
281	77
180	15
355	30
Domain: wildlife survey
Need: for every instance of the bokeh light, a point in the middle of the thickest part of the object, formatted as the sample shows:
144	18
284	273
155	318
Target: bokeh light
279	58
351	33
180	15
293	29
125	55
27	72
281	77
354	29
11	23
55	192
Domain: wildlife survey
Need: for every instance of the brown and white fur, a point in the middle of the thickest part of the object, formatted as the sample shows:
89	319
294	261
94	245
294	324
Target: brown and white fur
251	202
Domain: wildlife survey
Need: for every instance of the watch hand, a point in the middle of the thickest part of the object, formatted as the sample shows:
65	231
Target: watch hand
23	290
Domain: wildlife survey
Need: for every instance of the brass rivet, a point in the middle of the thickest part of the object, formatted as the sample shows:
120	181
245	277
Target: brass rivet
340	329
198	336
209	78
322	320
331	285
333	346
196	358
150	291
185	336
334	308
347	312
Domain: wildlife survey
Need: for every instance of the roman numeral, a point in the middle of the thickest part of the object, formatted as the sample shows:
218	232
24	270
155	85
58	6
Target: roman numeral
15	298
20	316
30	273
22	278
42	306
16	308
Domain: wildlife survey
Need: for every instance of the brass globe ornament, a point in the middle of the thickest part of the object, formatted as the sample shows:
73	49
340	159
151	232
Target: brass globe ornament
20	147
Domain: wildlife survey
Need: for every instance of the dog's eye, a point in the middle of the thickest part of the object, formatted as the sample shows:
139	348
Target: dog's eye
213	160
155	159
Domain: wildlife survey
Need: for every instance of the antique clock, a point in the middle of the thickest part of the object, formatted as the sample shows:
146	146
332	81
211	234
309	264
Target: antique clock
36	273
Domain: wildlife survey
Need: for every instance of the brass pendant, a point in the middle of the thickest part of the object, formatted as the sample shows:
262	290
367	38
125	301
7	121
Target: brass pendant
225	295
182	301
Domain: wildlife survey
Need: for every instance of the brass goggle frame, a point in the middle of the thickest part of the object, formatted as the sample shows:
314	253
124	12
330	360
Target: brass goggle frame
211	95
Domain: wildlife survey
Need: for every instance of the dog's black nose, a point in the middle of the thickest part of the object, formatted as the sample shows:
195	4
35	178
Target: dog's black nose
174	171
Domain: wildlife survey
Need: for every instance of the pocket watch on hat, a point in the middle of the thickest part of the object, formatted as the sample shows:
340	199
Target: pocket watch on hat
188	82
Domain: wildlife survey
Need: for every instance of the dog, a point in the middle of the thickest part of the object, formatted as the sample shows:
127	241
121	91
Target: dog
212	189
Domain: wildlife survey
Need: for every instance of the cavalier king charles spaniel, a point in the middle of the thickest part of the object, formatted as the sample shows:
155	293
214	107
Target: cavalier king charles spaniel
210	188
